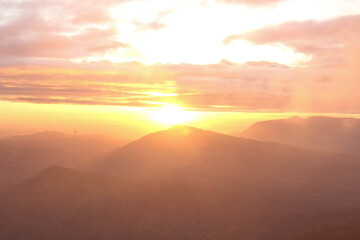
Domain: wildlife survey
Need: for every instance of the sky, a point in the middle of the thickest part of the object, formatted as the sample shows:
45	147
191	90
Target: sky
128	67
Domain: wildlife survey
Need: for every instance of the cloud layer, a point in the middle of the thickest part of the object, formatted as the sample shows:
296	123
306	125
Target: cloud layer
254	86
251	2
40	38
324	40
57	29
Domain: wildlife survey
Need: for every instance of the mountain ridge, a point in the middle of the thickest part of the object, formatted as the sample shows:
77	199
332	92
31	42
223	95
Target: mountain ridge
318	132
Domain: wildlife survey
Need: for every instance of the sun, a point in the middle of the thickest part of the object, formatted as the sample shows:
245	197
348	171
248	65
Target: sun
172	115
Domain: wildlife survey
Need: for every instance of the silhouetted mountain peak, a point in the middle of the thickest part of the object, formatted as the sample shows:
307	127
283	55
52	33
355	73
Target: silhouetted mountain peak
169	149
181	134
180	127
184	150
183	130
296	118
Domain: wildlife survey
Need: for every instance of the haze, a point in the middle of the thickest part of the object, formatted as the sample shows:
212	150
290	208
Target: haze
179	119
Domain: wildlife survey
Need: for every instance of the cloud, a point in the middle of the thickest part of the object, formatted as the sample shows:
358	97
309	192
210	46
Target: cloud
321	39
58	29
147	26
226	86
327	83
155	24
251	2
44	100
127	84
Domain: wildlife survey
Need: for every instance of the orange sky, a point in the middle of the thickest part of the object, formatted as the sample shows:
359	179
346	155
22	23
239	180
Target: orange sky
106	66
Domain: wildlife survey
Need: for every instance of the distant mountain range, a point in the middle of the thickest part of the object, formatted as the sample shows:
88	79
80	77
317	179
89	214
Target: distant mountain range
25	156
84	147
321	133
187	183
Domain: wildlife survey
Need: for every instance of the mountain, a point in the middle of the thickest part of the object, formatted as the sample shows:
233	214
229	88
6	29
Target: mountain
18	163
185	183
22	157
289	179
84	147
191	153
322	133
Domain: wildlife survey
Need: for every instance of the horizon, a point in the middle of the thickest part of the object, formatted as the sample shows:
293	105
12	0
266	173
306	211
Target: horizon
245	128
232	131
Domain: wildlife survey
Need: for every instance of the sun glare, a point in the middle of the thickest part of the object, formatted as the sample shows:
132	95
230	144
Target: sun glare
172	114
